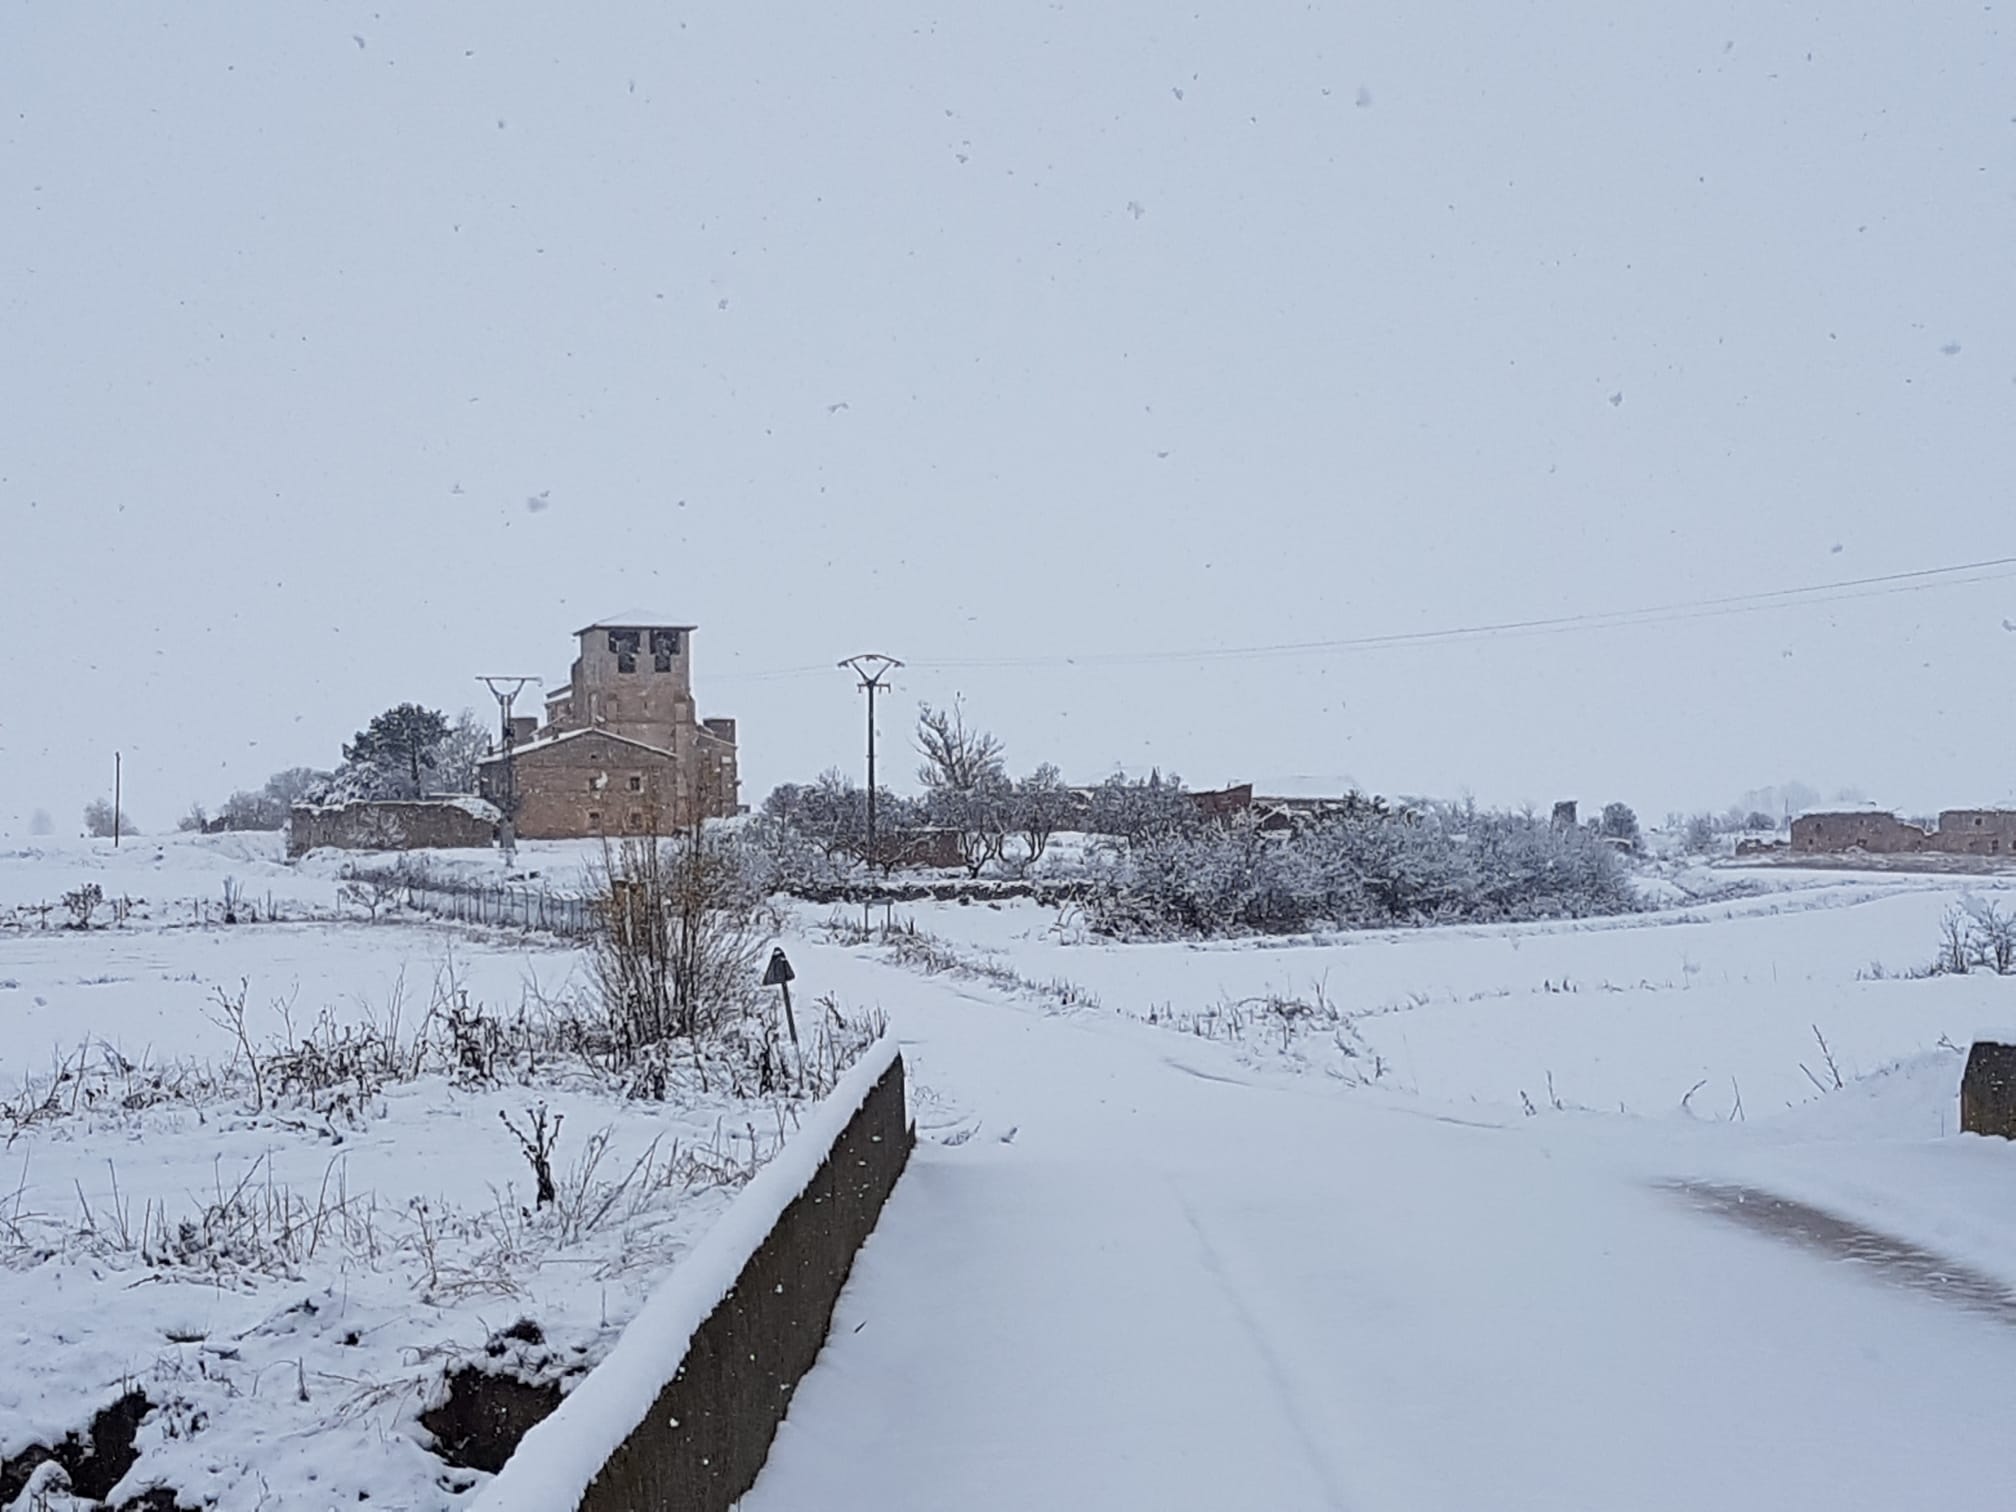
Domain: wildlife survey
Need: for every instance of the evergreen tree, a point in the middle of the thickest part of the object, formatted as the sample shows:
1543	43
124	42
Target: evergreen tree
401	743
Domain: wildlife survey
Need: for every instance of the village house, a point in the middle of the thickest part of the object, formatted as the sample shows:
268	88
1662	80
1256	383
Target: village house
1959	832
622	749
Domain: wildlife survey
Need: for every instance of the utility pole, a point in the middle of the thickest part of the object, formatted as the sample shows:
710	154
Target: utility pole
506	690
871	667
118	775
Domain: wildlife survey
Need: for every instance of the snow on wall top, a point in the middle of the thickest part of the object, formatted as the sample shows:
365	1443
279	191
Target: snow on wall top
468	803
1864	810
637	619
555	1461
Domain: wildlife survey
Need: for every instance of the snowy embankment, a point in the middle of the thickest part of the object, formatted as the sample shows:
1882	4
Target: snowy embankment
261	1173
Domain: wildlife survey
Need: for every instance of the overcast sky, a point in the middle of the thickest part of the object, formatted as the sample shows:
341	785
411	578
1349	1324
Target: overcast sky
348	354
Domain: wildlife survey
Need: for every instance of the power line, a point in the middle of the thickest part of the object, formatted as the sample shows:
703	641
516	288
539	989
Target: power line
1957	575
1714	608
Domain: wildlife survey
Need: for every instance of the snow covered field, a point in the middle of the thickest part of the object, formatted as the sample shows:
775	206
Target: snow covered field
286	1263
1247	1223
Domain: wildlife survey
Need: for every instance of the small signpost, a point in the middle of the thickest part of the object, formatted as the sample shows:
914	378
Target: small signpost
779	974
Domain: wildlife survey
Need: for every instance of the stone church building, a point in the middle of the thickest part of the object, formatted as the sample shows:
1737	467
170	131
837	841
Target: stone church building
621	749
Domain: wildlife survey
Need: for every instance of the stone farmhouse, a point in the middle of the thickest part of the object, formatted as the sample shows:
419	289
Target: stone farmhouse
621	749
1959	832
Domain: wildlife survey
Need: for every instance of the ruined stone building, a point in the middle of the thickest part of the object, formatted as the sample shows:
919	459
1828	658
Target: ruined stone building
1959	832
622	749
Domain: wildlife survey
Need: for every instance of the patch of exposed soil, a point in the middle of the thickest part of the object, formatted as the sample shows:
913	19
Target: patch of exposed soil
1897	1262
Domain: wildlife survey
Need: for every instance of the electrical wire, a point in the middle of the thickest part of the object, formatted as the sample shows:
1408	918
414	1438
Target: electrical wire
1959	574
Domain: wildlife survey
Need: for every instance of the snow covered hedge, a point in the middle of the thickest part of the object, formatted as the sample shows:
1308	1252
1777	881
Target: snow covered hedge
1442	864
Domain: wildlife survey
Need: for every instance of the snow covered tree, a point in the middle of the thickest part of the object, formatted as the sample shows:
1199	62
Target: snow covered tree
292	785
979	817
1040	805
467	742
395	756
967	790
403	743
1133	809
99	820
1619	823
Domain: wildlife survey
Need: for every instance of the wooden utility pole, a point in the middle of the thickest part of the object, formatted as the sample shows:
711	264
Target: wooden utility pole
118	775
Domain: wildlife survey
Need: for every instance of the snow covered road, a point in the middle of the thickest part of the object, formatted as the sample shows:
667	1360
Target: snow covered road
1175	1288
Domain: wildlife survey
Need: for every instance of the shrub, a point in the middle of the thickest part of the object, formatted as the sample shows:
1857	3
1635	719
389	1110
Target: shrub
1363	869
676	936
1619	823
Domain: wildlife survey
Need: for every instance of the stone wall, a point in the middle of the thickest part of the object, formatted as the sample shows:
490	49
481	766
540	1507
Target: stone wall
1976	832
716	774
598	783
1881	834
1988	1090
1960	832
426	823
638	680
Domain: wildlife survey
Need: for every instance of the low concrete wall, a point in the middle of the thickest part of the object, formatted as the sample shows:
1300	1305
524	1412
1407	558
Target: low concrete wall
681	1415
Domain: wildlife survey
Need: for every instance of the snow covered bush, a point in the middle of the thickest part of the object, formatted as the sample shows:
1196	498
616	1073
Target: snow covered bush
1619	822
1441	864
1133	808
1698	835
816	832
676	938
100	820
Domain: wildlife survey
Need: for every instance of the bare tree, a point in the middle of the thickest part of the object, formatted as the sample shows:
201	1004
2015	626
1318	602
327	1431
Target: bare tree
1956	954
1992	936
955	756
675	949
466	742
979	819
1042	803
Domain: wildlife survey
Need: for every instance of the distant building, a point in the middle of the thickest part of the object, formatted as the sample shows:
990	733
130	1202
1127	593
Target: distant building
1959	832
1976	832
622	749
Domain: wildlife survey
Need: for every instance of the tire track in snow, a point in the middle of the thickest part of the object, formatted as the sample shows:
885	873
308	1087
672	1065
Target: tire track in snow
1276	1368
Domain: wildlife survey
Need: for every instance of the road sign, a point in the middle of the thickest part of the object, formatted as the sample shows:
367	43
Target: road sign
779	971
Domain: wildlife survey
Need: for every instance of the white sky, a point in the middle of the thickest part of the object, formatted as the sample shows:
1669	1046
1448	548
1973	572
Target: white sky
1156	328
